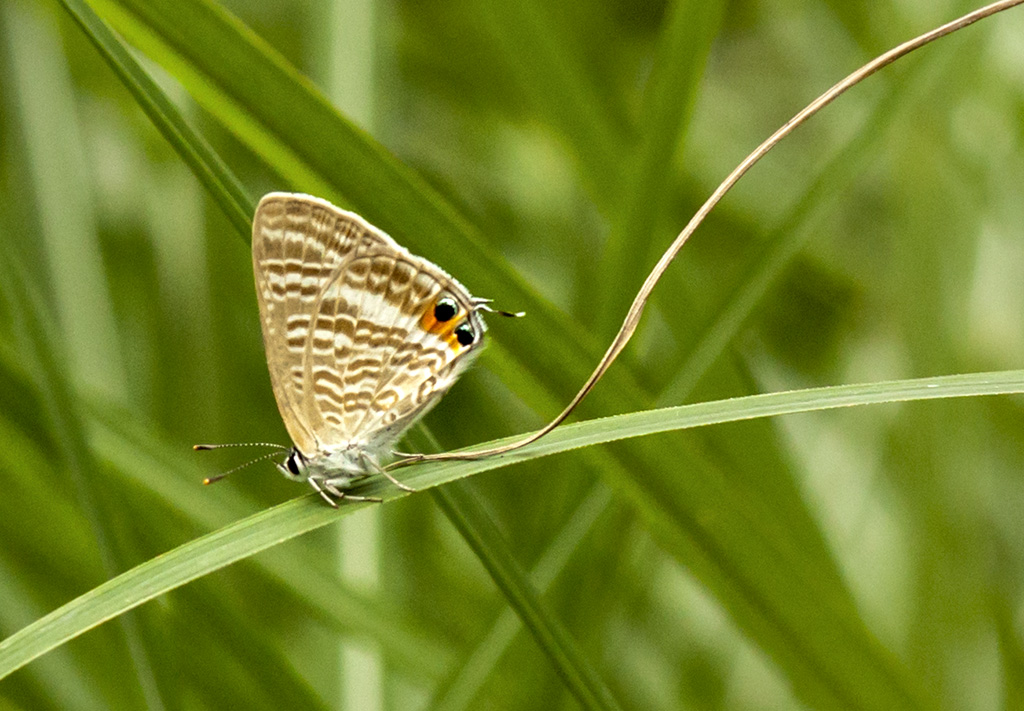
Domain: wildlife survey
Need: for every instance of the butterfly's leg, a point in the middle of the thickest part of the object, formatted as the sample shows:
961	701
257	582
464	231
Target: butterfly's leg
338	486
327	486
326	496
381	470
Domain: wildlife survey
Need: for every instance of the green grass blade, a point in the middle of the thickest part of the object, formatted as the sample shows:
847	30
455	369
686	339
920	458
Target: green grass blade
154	465
458	693
640	424
223	186
69	258
62	408
286	521
533	43
483	536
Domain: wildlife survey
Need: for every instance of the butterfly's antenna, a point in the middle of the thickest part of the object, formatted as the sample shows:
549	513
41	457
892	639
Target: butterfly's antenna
206	447
632	319
484	305
211	479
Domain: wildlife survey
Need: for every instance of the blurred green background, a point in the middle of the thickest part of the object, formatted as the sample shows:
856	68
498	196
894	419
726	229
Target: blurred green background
565	144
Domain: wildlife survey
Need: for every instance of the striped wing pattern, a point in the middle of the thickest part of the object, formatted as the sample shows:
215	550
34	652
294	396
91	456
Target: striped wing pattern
354	351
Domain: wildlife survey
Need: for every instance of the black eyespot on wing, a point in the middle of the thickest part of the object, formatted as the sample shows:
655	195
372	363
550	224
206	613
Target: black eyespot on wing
445	309
464	334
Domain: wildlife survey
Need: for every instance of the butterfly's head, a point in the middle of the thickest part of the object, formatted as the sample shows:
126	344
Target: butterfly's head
295	466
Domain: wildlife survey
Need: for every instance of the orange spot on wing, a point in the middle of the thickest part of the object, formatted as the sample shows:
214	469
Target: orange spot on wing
453	341
427	321
445	330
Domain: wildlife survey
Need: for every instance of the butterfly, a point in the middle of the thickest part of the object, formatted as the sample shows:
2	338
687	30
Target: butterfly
362	338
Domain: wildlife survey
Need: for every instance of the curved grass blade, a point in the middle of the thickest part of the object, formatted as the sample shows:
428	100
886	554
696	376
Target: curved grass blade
281	523
785	241
137	456
670	95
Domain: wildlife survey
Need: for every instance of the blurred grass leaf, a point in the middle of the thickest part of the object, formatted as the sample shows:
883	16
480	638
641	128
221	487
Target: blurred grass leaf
729	509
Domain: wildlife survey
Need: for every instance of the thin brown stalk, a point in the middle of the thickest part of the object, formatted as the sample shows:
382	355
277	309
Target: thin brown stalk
636	311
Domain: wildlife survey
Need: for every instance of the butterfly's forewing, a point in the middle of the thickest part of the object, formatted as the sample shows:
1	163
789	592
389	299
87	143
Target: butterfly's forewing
354	353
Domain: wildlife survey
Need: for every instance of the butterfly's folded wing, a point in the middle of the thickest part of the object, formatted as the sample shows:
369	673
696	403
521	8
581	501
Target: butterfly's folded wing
354	354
